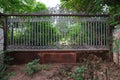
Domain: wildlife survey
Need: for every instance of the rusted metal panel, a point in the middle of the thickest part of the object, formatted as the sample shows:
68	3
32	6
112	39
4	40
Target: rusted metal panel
23	57
58	57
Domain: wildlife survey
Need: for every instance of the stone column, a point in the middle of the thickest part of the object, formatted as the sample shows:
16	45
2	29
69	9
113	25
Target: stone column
1	39
116	44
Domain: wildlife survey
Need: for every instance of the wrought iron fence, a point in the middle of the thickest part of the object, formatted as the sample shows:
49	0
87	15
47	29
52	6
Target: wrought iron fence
57	32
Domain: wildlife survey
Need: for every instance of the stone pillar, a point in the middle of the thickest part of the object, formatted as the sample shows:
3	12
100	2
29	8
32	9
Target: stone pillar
116	44
1	39
116	57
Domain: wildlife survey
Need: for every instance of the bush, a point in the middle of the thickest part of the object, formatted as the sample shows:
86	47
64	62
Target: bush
2	66
78	74
33	66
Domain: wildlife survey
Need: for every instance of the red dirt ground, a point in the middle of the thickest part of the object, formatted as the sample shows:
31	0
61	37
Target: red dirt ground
60	72
95	69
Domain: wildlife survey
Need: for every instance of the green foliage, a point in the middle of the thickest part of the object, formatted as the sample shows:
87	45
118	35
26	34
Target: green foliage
78	74
21	6
33	66
2	66
87	6
95	6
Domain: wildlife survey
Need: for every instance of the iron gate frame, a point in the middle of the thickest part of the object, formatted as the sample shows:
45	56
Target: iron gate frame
81	15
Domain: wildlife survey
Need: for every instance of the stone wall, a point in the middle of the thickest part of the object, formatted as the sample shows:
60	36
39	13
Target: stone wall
1	39
116	44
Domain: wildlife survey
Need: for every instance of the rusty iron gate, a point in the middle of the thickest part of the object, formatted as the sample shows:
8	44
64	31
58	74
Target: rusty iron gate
56	32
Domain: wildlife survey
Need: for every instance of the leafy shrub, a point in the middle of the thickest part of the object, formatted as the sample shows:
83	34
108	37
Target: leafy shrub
34	66
3	74
78	74
2	66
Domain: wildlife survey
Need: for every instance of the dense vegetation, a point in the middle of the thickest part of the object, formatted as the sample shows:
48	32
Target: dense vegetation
21	6
96	6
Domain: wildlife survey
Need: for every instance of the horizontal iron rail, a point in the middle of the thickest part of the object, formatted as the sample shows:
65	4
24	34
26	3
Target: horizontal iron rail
82	15
50	50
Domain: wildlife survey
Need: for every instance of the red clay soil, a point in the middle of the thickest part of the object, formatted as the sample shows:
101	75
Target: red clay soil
95	69
60	72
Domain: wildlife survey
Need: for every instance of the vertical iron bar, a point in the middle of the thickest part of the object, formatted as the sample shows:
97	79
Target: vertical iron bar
88	32
80	33
79	30
96	33
29	33
47	32
20	33
24	29
33	37
91	24
107	36
93	33
75	35
18	30
39	31
14	30
43	27
50	34
101	33
11	30
56	40
25	25
83	31
35	32
13	40
5	33
104	33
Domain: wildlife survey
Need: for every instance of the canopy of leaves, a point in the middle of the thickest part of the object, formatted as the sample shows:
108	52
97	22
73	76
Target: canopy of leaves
21	6
95	6
87	6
